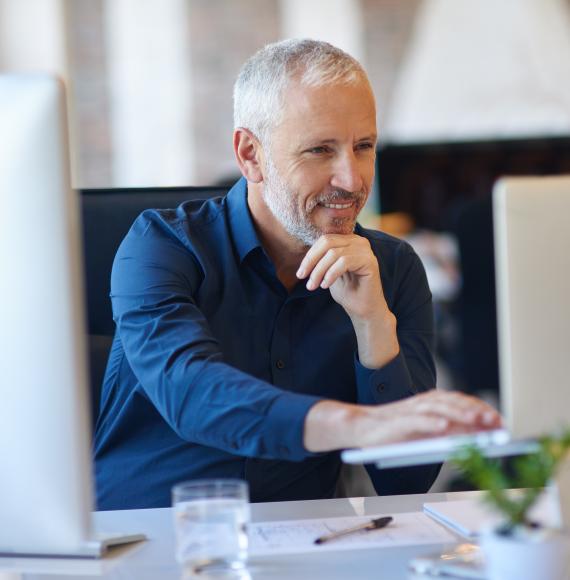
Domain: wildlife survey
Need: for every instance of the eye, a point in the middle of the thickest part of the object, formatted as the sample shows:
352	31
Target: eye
320	150
364	146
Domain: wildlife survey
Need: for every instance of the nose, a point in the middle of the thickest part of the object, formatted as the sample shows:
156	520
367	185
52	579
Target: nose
347	173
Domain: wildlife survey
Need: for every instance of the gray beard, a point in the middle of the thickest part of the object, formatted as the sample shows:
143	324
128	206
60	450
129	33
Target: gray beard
279	199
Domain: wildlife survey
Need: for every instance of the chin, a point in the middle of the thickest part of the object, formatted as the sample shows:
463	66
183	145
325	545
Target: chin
342	226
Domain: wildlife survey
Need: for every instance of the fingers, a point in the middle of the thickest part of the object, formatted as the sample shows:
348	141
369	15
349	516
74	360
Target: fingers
332	256
432	414
455	406
407	427
318	251
424	426
320	270
331	267
477	412
463	410
341	266
445	410
420	426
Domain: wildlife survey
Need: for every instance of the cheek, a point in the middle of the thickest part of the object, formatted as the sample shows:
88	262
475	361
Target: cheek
366	167
313	175
314	186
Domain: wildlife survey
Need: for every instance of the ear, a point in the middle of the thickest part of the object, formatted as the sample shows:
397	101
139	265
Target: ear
248	152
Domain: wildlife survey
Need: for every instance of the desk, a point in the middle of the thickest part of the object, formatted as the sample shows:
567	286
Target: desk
155	559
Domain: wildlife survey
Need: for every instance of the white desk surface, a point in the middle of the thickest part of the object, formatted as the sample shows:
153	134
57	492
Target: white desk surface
154	559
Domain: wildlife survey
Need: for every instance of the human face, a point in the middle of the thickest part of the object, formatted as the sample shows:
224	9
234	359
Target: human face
319	171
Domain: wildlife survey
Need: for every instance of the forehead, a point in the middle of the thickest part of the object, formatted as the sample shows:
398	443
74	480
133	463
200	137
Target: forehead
328	111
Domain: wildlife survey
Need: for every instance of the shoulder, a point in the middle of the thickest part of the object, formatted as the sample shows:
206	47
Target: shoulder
169	244
192	223
184	238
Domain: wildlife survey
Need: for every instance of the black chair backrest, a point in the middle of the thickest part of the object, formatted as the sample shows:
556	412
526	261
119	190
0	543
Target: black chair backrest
107	217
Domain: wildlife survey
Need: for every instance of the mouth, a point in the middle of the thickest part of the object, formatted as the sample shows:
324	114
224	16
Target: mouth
339	209
337	205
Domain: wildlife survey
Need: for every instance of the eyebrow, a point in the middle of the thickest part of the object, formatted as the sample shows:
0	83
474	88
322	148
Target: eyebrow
372	137
312	143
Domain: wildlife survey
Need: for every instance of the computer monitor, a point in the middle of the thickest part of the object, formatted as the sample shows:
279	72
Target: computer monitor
45	465
532	240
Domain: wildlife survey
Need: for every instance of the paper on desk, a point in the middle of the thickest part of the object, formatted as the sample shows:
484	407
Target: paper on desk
298	536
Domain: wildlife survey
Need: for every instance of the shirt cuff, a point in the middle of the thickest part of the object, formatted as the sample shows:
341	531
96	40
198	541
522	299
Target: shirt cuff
286	425
390	383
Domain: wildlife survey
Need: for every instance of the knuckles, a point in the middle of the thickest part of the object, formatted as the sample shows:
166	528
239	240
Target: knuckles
334	253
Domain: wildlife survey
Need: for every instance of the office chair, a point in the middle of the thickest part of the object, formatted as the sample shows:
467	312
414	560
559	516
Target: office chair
107	217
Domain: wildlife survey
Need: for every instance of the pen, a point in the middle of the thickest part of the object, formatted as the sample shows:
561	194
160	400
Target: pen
367	526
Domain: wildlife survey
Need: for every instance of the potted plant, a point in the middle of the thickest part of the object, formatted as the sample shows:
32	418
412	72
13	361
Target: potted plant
519	548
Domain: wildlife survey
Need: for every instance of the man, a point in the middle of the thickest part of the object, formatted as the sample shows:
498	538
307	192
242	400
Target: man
260	333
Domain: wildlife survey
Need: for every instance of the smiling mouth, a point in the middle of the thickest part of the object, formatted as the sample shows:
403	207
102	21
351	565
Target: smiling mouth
337	205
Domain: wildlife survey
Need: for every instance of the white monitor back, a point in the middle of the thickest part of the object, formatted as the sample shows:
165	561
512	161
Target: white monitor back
45	478
532	258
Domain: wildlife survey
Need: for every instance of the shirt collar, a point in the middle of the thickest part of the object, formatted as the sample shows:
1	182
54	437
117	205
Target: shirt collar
241	222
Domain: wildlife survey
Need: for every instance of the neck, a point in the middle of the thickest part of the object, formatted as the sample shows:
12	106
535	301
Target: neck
285	252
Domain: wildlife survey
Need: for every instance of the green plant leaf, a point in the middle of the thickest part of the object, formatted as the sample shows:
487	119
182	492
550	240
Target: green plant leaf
530	472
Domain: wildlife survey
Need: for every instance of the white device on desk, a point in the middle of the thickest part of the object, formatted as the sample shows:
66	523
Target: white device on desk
532	263
45	466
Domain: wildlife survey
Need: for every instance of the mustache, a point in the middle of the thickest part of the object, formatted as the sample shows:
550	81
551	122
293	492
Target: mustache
338	196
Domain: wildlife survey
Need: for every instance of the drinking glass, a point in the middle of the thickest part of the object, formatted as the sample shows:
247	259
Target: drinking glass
210	519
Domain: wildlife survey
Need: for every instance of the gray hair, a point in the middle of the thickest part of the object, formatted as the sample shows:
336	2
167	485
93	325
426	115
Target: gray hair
261	83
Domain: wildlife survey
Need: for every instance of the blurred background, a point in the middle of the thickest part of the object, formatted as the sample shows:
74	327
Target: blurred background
467	91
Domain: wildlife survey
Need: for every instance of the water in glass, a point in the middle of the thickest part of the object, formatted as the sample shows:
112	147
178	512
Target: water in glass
211	532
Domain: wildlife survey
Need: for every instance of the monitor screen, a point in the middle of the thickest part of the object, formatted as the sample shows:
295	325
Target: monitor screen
45	481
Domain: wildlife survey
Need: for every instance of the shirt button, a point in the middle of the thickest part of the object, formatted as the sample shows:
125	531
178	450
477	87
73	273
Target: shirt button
280	364
381	387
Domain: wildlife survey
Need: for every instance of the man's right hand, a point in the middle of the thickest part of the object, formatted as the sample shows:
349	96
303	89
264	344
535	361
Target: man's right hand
332	425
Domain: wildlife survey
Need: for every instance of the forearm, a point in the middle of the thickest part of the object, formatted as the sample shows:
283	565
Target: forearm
377	339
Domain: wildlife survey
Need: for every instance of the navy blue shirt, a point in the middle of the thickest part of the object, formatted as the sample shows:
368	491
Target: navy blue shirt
215	365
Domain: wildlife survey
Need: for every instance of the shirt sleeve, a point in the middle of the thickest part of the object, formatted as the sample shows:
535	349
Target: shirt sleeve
178	362
411	372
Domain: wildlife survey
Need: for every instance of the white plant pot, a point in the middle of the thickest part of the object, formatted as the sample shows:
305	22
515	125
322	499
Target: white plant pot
526	555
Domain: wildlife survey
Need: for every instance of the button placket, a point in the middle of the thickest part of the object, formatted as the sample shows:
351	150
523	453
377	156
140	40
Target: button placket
281	347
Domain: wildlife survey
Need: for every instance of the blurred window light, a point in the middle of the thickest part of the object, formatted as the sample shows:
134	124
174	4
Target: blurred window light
339	22
32	36
148	55
484	69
